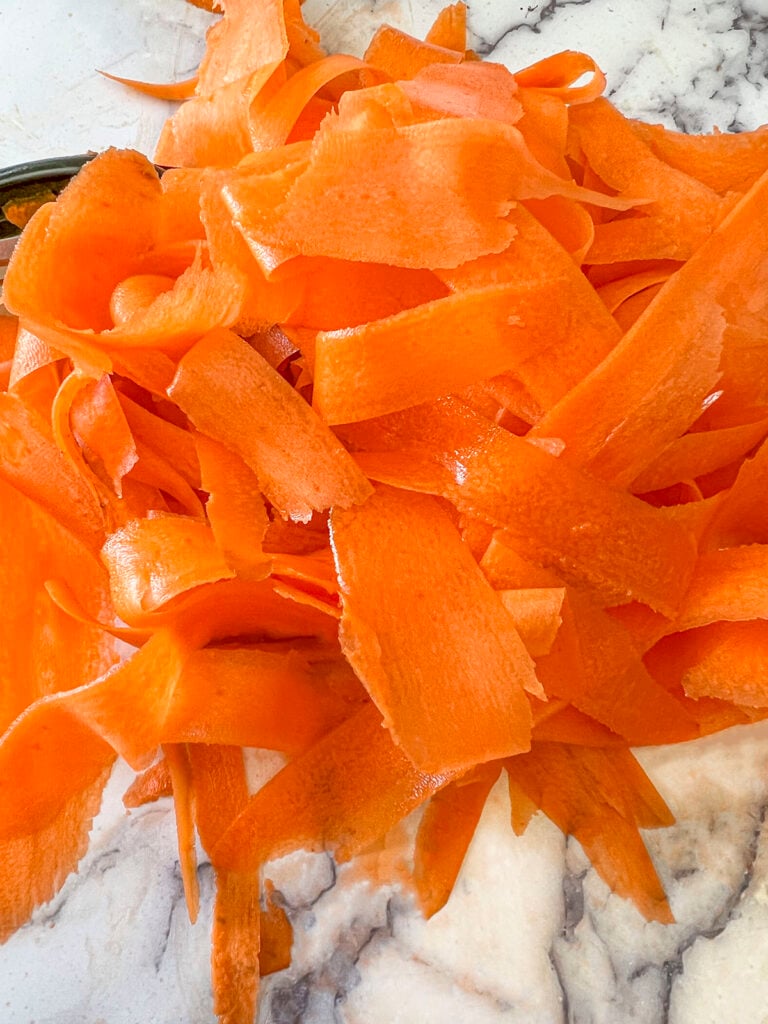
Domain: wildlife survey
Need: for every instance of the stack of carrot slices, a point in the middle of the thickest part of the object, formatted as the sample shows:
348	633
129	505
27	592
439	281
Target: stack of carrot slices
412	425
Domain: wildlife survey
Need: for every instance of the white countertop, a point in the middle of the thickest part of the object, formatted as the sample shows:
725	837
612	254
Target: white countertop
531	935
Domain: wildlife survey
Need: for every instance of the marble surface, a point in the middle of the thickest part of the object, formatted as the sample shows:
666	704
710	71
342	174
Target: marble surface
531	934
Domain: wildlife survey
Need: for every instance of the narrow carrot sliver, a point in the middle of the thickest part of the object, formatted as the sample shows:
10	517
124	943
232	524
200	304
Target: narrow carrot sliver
741	517
9	329
235	507
544	126
158	90
608	834
220	793
594	665
152	784
566	724
556	75
445	832
614	293
236	945
64	599
449	29
156	471
567	221
271	122
276	934
536	614
99	423
166	439
181	783
698	453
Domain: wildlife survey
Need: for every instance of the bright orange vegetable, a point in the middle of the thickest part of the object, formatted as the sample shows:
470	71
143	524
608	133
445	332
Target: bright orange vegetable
593	801
445	831
158	90
448	704
450	28
342	794
413	426
298	462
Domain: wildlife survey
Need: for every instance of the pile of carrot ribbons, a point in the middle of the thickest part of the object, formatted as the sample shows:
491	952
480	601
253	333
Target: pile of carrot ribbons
412	424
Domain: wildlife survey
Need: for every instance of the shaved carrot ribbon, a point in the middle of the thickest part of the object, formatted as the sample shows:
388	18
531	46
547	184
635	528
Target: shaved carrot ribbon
158	90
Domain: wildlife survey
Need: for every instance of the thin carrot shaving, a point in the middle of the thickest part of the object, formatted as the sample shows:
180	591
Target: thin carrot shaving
590	804
150	785
446	705
266	419
271	121
449	28
158	90
276	934
557	76
344	793
220	792
445	832
413	426
151	561
402	57
237	697
235	507
178	766
30	355
99	424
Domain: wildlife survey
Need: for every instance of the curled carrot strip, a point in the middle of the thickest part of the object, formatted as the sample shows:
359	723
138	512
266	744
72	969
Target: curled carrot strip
271	121
556	76
158	90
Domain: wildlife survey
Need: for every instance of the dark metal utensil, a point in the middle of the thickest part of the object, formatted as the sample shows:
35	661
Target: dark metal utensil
23	183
